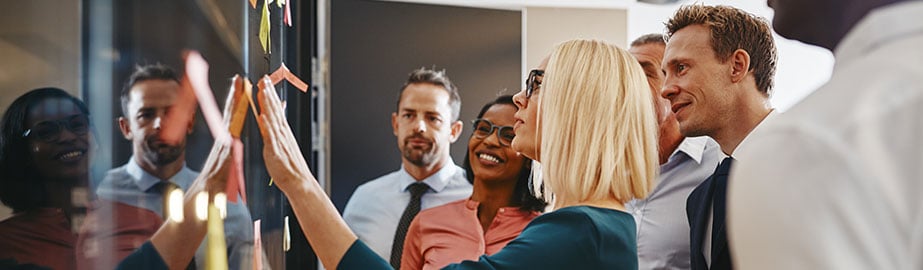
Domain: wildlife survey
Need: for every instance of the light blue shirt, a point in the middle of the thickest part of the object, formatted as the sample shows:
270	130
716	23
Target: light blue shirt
663	230
376	207
132	185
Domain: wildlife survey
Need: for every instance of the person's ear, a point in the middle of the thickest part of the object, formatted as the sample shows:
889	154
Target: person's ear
456	130
125	127
740	65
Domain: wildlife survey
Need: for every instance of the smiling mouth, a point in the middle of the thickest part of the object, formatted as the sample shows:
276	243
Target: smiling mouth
71	155
489	158
676	108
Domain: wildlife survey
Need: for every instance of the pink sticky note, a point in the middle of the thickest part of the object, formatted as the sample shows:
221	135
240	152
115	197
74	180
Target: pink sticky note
197	73
235	183
175	124
257	246
287	17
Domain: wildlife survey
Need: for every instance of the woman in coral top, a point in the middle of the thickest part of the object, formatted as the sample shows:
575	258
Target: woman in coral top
500	205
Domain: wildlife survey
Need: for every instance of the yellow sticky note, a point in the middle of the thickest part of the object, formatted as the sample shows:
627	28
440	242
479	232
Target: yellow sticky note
280	2
264	28
216	257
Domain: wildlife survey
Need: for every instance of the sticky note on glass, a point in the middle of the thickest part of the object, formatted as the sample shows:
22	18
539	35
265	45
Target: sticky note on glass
197	73
264	28
176	124
235	184
257	246
216	256
238	104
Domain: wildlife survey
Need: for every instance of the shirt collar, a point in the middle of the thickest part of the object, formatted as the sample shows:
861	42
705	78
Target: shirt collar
436	182
743	143
693	147
146	181
880	26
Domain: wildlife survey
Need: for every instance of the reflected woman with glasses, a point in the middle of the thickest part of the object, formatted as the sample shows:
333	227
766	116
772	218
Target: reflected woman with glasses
45	144
500	205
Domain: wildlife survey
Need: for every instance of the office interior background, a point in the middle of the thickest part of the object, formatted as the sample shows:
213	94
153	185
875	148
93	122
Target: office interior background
354	54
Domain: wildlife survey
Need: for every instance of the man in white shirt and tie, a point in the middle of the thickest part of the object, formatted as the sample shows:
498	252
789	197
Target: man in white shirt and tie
425	124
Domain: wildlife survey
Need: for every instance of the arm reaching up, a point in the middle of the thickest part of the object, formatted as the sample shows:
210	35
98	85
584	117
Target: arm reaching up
317	216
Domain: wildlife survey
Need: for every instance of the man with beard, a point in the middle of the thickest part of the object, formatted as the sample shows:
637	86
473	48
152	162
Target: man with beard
130	205
425	123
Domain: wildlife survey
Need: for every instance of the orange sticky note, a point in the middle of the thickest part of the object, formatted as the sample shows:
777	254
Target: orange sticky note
253	3
197	73
239	106
257	246
248	92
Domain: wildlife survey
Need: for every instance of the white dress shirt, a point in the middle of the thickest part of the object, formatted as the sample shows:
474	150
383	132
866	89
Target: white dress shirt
663	230
131	185
376	207
836	182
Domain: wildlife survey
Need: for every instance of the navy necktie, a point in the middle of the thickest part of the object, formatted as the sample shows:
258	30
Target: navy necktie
719	199
416	192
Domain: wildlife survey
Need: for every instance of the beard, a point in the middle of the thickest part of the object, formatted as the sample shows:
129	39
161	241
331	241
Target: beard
160	153
419	156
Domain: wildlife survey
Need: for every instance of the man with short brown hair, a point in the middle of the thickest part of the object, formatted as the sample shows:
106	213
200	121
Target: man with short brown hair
719	64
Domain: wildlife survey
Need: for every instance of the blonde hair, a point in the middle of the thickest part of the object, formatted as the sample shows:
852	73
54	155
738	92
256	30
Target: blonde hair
598	140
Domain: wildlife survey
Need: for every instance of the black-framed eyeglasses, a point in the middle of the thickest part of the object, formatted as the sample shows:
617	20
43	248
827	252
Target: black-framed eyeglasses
483	128
49	131
533	82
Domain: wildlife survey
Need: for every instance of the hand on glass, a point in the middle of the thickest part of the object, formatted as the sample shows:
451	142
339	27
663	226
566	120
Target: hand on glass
281	153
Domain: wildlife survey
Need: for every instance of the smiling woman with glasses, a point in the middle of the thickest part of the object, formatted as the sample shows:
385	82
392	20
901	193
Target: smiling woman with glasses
44	154
500	205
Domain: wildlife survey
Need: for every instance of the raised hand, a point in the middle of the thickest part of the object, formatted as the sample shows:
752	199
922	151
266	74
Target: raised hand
283	157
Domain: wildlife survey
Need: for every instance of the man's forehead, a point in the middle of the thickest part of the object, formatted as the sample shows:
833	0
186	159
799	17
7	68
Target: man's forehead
154	89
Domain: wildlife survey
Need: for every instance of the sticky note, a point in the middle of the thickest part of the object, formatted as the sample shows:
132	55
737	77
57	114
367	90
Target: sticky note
238	105
197	73
287	19
235	184
264	28
176	122
257	246
216	257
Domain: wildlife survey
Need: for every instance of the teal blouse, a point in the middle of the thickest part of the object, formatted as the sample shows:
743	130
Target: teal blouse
578	237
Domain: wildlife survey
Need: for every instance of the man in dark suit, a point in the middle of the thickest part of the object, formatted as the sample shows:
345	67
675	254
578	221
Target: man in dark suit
719	64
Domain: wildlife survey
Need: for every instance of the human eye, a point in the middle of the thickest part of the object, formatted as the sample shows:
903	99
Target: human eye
78	123
507	133
145	114
435	119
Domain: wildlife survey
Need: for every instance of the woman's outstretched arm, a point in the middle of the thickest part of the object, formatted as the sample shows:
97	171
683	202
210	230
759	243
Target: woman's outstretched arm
322	225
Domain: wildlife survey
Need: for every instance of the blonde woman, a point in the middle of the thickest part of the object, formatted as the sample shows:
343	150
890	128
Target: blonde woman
591	125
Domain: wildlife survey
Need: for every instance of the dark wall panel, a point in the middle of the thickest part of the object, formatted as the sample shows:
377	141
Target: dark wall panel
375	45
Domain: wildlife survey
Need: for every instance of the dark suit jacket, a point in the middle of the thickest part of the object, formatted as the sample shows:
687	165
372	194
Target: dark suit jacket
698	207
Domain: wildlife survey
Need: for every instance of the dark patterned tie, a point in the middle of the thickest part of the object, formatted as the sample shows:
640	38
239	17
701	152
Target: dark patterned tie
416	192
